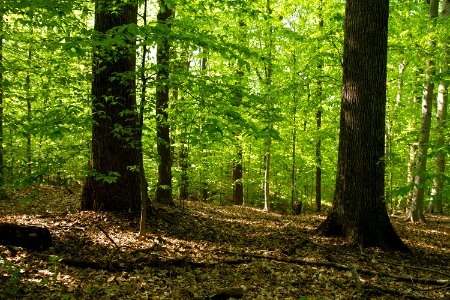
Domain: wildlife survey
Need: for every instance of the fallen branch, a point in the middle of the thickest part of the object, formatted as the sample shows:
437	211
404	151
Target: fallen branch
348	268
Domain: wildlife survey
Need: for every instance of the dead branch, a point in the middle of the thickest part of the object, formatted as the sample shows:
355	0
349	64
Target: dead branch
348	268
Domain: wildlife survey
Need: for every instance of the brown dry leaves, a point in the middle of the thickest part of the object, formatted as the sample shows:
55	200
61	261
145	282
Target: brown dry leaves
195	250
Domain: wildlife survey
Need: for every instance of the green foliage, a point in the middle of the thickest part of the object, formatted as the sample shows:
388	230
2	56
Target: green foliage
239	75
11	282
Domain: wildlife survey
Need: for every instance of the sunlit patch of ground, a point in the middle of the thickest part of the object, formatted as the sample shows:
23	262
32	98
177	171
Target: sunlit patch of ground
195	250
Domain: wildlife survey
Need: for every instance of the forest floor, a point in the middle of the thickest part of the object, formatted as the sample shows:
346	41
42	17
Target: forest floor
202	251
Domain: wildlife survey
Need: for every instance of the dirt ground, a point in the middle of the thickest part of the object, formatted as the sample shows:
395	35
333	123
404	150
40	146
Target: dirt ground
202	251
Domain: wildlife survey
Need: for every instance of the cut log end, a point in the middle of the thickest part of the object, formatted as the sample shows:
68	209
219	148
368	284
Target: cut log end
29	237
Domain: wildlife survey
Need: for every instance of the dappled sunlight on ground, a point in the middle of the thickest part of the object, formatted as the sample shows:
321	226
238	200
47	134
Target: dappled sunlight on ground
195	250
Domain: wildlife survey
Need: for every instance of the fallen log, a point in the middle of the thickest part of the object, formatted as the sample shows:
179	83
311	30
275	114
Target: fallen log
26	236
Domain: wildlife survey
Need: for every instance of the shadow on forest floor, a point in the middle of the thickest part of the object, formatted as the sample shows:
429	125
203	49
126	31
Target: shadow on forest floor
199	250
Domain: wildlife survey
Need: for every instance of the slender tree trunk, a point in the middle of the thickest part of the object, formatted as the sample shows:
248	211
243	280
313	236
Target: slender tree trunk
294	134
318	128
2	163
418	199
238	188
267	175
183	158
268	141
203	176
29	116
359	212
115	179
143	181
184	180
435	205
390	132
411	175
164	187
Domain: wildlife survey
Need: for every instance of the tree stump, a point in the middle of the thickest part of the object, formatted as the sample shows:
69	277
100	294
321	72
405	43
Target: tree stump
29	237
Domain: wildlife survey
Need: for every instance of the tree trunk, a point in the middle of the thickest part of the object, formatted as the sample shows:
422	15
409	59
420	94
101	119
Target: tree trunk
114	182
318	127
268	141
294	135
29	116
359	212
143	181
184	163
418	198
435	205
2	168
267	175
238	190
163	144
411	171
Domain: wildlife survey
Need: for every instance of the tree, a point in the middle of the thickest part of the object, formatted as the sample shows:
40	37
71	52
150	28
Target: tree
164	186
114	182
435	205
359	212
2	173
417	202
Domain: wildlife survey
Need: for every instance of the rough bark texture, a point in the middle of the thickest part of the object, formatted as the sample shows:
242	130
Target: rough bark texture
164	187
115	132
359	212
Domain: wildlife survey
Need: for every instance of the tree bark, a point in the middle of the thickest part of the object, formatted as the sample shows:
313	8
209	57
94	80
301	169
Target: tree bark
2	168
268	141
359	212
114	182
435	205
418	197
163	144
143	182
318	182
294	135
238	190
238	187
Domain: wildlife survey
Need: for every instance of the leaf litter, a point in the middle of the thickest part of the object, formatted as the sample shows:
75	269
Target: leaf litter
199	250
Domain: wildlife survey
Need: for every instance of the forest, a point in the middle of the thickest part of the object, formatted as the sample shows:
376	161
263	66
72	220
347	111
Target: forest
163	149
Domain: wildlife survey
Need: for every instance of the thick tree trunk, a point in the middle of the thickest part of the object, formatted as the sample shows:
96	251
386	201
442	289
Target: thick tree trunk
418	198
359	212
114	183
163	144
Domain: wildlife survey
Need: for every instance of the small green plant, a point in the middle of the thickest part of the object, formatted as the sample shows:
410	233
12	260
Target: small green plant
12	274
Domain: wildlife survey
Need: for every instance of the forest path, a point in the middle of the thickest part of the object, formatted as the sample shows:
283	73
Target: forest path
197	250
